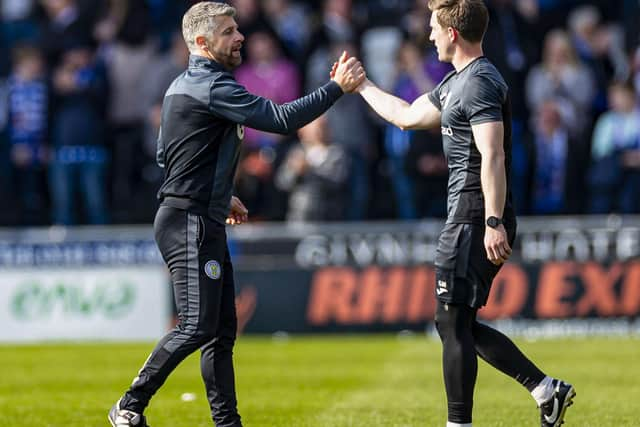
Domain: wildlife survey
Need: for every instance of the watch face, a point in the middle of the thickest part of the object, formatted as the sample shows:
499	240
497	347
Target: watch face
493	222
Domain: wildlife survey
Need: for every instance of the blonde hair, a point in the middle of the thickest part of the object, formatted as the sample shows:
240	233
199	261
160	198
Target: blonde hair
199	20
469	17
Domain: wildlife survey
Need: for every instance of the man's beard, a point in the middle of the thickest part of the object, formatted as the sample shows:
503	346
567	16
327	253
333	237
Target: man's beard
229	62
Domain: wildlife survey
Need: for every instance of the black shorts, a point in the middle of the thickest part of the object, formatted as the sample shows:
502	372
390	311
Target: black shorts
463	271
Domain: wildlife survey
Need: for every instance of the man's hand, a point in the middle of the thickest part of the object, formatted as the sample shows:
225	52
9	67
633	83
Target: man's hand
348	73
238	213
496	244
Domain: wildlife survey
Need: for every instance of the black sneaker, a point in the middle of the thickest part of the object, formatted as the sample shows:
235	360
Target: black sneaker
552	411
125	418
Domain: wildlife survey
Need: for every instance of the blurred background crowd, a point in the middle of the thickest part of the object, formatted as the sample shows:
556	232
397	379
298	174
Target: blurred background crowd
82	82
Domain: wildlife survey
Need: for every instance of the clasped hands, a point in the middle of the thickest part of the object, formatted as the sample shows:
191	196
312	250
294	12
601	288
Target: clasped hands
348	73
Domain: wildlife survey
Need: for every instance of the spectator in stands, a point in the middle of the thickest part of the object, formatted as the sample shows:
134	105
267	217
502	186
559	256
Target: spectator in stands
166	67
17	23
269	74
291	23
350	126
28	131
412	80
562	77
511	43
600	48
251	18
65	24
128	51
615	172
315	174
413	22
79	156
427	167
336	26
554	179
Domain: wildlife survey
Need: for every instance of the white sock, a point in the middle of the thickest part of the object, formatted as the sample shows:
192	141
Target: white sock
450	424
543	391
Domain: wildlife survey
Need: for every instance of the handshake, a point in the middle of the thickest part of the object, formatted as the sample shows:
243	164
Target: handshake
348	73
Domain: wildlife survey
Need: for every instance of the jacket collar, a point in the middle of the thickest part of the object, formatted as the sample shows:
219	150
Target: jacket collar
197	61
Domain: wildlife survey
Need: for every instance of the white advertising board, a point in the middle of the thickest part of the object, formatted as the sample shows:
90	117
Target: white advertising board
84	303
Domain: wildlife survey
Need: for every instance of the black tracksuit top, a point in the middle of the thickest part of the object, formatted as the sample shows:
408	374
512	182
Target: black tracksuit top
203	117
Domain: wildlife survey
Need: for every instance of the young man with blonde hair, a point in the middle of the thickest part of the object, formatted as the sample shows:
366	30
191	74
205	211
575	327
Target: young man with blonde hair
471	105
203	117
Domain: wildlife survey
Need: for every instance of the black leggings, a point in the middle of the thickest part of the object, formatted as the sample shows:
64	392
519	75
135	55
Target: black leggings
463	337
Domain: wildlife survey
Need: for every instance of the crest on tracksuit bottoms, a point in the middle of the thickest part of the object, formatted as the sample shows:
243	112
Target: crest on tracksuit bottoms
212	269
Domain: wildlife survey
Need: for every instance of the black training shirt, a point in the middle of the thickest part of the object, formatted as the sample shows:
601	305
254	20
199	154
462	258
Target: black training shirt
476	94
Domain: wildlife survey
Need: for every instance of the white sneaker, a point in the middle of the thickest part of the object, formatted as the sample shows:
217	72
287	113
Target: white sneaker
125	418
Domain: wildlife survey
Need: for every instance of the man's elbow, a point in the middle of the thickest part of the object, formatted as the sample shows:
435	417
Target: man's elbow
406	125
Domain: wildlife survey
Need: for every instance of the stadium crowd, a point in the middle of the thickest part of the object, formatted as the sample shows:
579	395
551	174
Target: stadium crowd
82	83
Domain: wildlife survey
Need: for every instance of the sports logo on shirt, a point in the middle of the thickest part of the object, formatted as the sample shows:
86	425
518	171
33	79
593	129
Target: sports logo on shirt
444	99
212	269
446	130
240	132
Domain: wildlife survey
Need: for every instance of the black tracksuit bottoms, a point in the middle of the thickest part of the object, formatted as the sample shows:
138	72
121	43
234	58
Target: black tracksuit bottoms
195	250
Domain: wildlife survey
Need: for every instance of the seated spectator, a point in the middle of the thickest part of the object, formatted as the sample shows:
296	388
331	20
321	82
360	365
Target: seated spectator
315	173
615	172
79	157
28	128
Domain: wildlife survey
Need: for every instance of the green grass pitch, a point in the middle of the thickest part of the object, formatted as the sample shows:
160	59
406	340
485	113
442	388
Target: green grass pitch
323	381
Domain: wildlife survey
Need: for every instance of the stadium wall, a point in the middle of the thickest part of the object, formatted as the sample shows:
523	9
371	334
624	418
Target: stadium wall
567	276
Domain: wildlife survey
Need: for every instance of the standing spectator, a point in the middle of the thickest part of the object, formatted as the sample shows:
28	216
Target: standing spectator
554	177
28	127
128	51
350	125
18	24
562	77
65	24
315	174
337	26
251	18
291	23
615	172
413	79
600	48
79	158
166	68
269	74
511	43
427	167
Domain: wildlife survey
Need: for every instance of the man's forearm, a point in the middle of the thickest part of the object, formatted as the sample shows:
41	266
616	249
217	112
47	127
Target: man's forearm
389	107
494	184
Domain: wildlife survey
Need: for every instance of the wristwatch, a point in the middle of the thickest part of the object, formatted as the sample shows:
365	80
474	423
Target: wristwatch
493	221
